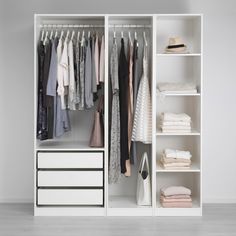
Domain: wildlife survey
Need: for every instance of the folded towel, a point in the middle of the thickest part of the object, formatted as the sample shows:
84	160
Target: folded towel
175	190
176	86
173	153
175	123
181	196
191	91
170	165
163	199
177	127
177	204
175	160
175	117
176	130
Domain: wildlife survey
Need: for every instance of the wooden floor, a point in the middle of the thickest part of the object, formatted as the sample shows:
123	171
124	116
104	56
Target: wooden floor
17	219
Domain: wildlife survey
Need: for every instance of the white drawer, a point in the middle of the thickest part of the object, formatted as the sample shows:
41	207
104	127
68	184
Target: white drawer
70	178
70	197
65	160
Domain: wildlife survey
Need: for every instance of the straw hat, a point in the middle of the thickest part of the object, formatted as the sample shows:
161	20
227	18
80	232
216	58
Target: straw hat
176	45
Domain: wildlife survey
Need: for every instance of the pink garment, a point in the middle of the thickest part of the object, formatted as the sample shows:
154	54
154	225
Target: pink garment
175	190
177	204
163	199
102	61
183	196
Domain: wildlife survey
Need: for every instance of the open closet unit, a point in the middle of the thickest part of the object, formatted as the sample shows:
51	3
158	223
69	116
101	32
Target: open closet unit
72	175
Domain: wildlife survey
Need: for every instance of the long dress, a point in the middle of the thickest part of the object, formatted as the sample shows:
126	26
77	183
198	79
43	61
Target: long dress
114	164
142	126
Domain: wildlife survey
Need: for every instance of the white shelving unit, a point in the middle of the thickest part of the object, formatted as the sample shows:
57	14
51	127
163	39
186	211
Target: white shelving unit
71	152
176	68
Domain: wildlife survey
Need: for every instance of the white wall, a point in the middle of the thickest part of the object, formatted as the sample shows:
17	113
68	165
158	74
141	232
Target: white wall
16	87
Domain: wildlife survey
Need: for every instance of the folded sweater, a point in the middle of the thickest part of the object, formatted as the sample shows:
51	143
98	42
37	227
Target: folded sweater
163	199
174	153
175	190
177	204
175	117
176	86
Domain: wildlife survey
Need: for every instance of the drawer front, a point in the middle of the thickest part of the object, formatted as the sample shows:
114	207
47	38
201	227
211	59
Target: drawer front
70	178
54	160
70	197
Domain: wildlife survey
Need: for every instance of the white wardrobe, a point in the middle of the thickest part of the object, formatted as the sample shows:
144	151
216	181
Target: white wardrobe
70	177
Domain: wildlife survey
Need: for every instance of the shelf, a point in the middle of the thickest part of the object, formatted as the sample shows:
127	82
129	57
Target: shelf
50	145
193	168
178	54
124	202
192	133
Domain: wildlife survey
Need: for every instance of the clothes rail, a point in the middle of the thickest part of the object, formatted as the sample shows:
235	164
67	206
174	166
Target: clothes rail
70	26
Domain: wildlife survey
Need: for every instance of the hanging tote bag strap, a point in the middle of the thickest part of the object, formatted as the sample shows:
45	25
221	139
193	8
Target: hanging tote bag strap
143	162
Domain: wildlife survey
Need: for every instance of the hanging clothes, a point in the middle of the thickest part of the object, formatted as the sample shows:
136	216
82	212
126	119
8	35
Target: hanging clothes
82	73
114	162
135	83
102	61
93	67
61	71
72	85
42	133
96	58
77	71
142	127
61	118
123	85
88	75
48	100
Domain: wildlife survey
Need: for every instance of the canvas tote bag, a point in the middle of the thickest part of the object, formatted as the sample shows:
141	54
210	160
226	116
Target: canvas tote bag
97	135
143	194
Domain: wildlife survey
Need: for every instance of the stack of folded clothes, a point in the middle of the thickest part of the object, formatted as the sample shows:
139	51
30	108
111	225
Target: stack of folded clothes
175	123
175	159
177	88
176	197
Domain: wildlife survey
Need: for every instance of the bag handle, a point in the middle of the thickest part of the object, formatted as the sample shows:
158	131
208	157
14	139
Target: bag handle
100	104
143	161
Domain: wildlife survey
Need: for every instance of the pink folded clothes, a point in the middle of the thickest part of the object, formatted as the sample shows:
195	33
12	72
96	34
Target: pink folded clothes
163	199
175	190
177	204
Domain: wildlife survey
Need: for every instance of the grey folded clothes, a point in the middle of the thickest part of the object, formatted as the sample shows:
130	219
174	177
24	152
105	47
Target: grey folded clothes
176	197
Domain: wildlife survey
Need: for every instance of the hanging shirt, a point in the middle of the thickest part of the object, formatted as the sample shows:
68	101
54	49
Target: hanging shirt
88	76
102	61
142	128
72	85
123	85
60	74
93	67
96	58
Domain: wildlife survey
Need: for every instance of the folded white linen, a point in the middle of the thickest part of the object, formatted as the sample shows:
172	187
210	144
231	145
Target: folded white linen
174	153
175	123
176	127
191	91
176	86
176	130
175	190
175	117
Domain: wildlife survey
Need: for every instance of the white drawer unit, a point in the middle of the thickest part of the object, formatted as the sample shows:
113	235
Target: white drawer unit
70	160
70	178
62	197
